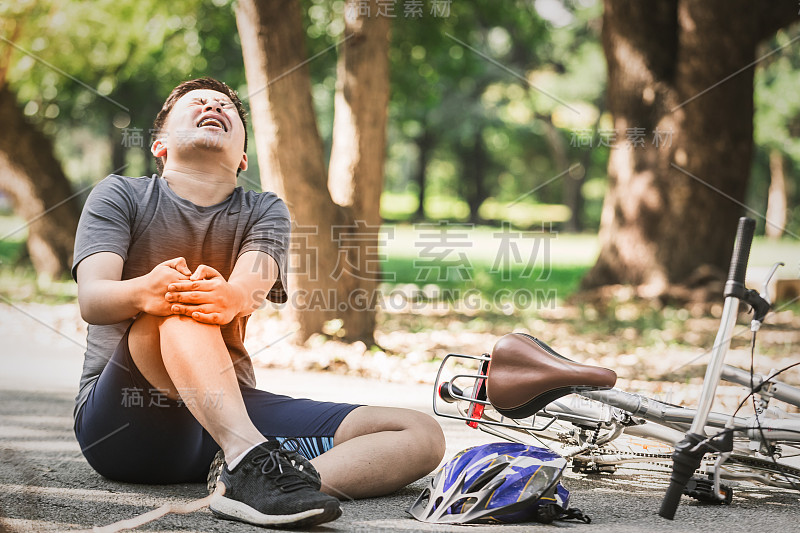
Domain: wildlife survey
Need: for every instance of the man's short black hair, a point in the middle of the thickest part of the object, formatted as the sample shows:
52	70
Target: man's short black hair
191	85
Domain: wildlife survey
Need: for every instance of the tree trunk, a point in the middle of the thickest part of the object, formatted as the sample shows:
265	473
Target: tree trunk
572	195
118	148
424	146
338	276
39	191
474	162
673	200
355	175
776	200
575	199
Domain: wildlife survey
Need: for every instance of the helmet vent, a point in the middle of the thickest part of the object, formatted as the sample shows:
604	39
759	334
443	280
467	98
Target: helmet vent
438	502
490	474
462	505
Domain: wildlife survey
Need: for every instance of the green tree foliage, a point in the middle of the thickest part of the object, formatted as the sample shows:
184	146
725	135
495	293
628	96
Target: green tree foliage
506	75
777	121
94	74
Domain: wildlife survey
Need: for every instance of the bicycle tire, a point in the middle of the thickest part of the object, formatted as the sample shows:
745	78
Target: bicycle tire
790	473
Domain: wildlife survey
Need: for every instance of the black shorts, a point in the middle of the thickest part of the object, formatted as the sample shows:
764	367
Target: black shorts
129	431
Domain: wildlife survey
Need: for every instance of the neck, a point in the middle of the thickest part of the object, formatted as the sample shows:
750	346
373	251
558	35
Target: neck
199	185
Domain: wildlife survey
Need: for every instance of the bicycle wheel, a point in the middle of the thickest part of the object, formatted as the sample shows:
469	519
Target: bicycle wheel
763	471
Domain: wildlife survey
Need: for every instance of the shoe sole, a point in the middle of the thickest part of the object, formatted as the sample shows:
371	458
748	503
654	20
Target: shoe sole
230	509
215	471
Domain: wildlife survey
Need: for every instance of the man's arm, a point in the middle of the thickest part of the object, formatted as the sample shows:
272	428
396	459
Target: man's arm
207	297
254	275
105	299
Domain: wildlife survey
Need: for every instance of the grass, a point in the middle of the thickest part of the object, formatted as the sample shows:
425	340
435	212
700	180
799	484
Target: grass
542	284
485	270
18	280
485	244
21	285
10	252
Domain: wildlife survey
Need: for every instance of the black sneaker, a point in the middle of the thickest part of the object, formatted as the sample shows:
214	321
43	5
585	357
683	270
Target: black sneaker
304	467
265	489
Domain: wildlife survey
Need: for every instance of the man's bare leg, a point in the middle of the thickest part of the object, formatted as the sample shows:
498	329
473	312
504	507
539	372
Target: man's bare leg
177	353
378	450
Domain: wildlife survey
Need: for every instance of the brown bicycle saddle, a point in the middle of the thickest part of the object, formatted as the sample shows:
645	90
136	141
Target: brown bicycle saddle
525	374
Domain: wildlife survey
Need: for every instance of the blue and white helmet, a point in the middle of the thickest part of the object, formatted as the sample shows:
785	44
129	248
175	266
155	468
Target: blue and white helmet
500	482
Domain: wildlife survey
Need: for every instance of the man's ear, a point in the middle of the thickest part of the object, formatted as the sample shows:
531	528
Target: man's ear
159	148
243	163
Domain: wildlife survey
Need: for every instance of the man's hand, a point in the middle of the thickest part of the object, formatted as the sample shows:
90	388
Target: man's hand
154	286
206	296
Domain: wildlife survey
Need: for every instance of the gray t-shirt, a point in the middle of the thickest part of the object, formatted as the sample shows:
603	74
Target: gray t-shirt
143	221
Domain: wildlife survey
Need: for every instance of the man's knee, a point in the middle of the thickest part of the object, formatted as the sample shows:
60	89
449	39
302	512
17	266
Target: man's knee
148	331
431	436
145	321
184	323
424	430
151	337
427	436
144	333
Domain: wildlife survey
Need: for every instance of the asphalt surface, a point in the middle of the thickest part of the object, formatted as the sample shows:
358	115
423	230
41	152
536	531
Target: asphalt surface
46	485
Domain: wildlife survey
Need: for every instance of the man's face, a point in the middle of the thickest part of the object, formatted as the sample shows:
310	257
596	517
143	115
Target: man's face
207	120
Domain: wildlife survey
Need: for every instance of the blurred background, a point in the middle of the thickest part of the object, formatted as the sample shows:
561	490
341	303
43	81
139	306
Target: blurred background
572	168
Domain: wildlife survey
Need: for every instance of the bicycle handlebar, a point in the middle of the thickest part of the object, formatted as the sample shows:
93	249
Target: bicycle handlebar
686	460
671	500
741	253
688	453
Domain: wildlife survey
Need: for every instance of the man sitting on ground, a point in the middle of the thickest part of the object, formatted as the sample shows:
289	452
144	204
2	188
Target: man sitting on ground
169	269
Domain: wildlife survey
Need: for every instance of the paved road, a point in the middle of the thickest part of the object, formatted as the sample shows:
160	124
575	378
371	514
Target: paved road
46	485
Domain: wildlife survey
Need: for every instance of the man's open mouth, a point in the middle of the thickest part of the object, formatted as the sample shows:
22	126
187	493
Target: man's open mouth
211	123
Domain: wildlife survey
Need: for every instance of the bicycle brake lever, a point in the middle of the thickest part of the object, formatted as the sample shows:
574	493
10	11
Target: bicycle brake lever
760	303
765	283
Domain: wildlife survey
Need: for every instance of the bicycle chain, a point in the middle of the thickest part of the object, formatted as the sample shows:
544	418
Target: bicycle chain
596	434
667	456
